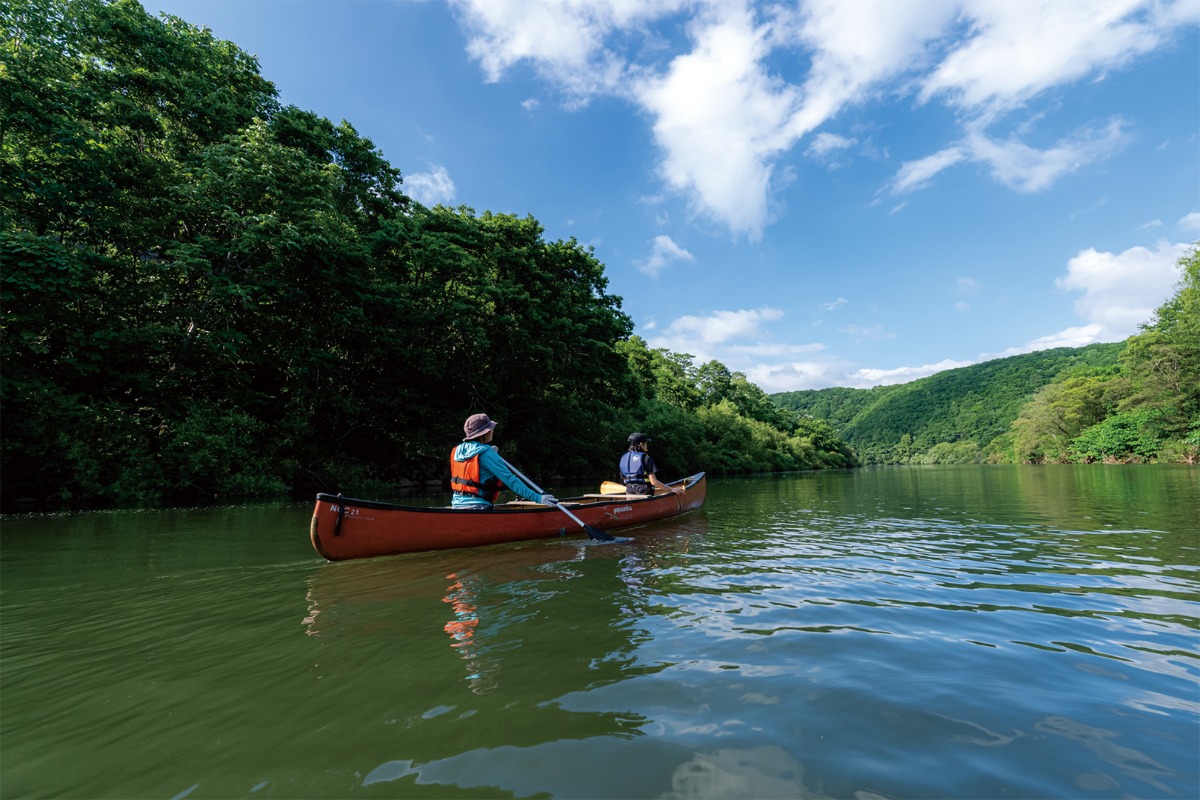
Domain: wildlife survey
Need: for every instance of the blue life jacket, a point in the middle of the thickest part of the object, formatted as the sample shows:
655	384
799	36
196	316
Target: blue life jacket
633	468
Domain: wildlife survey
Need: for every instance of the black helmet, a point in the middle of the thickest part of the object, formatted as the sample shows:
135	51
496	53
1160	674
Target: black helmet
638	438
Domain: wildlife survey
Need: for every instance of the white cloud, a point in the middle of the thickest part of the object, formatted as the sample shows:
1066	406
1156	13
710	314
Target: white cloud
775	366
824	372
841	301
1019	48
915	174
878	377
1191	222
849	57
961	306
716	336
1014	163
967	285
873	332
771	350
563	39
664	252
430	188
1122	290
720	119
1028	169
826	146
724	112
721	326
1077	336
796	375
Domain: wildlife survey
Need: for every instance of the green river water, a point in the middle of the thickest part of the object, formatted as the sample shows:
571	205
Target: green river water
936	632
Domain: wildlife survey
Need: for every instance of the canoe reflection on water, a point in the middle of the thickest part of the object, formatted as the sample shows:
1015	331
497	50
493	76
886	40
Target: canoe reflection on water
493	600
339	594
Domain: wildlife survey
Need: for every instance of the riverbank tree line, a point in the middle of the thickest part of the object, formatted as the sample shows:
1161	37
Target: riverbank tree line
207	293
1135	401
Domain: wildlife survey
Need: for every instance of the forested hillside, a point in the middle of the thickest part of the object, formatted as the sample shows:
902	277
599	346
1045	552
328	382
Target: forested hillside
1131	401
206	293
959	411
1146	409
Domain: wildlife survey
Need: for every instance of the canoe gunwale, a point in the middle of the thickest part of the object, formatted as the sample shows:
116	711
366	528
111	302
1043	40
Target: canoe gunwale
575	502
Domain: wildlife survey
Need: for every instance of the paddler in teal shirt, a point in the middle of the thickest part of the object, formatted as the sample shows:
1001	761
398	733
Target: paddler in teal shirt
477	473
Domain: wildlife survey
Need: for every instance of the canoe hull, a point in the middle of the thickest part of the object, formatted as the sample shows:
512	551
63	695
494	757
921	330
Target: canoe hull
344	528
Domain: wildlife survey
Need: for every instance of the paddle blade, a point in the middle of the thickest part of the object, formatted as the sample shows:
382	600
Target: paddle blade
609	487
585	542
598	535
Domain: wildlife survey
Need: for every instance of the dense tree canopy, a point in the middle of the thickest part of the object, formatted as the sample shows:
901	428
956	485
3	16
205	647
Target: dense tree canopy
1152	411
1146	408
206	293
1056	414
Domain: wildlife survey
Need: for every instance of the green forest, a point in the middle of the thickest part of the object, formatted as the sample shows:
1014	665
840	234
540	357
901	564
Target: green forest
208	294
1135	401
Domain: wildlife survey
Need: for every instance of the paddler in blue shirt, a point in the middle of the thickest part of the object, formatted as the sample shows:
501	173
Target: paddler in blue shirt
477	473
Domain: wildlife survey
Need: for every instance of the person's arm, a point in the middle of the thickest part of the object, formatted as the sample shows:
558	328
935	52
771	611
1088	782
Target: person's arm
491	459
652	472
657	484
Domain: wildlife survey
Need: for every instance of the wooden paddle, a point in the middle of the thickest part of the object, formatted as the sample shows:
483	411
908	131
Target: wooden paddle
612	487
594	533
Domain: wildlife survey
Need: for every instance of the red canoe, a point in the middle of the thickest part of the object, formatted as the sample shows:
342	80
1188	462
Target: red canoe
345	528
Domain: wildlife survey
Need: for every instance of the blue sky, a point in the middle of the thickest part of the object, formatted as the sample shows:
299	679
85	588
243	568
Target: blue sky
822	193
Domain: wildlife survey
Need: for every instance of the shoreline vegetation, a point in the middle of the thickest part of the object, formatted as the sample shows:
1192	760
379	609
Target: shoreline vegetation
210	295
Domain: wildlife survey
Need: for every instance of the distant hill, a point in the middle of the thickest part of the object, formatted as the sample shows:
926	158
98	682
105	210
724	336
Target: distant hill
959	410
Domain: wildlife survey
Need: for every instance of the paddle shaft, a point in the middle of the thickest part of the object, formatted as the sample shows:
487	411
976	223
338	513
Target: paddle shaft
538	489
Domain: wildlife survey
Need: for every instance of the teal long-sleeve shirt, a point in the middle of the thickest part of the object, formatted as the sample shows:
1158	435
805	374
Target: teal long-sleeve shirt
490	466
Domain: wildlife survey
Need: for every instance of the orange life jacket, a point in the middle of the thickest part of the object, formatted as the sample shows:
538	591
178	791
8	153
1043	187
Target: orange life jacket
464	478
